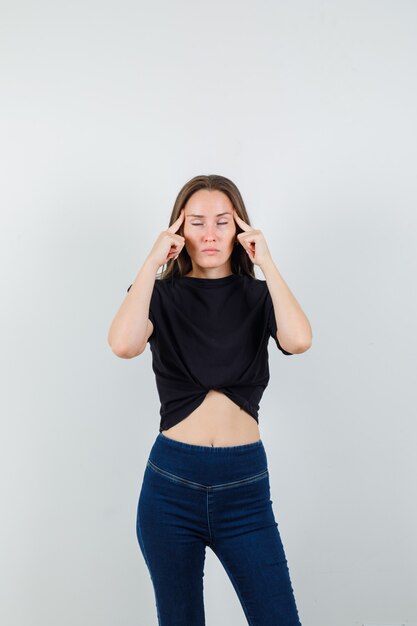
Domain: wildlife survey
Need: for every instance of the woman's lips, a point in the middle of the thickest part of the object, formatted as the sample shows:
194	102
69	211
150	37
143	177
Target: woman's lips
210	251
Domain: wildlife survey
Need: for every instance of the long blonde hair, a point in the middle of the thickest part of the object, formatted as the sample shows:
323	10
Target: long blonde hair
240	262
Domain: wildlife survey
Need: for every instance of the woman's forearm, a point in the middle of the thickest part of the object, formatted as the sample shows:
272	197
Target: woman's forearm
127	333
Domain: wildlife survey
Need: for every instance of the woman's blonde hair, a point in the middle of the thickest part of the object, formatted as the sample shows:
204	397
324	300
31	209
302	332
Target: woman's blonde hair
240	261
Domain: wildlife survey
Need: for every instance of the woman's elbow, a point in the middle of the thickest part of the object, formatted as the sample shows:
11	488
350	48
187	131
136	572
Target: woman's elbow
302	349
124	352
303	346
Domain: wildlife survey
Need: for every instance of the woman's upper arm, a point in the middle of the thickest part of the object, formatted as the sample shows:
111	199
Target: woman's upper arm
149	331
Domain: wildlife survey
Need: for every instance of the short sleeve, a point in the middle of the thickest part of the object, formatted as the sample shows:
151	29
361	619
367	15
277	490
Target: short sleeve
151	314
272	325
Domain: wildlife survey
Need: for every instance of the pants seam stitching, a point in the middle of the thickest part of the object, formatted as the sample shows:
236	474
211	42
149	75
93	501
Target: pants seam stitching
195	485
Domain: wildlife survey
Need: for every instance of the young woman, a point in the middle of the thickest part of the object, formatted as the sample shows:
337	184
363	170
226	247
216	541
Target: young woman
208	320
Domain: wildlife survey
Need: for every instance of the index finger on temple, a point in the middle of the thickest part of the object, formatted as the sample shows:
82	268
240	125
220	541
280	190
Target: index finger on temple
240	222
175	225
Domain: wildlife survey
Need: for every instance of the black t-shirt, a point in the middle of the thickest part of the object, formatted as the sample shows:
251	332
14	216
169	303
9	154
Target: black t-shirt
210	333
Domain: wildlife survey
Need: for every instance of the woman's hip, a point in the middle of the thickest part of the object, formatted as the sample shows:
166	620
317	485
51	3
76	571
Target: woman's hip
201	467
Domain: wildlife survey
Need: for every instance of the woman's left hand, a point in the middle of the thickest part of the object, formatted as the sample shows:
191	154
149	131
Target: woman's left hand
253	241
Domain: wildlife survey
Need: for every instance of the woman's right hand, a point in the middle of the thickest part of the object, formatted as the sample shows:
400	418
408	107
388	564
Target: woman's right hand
168	244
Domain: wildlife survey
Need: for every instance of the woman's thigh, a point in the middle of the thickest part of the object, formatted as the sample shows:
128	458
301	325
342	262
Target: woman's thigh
247	541
171	534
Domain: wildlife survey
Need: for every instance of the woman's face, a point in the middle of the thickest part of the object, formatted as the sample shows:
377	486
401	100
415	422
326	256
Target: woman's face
209	224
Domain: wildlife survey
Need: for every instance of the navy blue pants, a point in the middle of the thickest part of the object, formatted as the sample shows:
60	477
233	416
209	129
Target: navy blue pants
198	496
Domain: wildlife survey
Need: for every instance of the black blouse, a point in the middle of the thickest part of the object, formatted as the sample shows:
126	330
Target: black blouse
210	333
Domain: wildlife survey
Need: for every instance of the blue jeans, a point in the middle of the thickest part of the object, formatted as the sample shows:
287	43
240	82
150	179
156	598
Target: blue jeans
198	496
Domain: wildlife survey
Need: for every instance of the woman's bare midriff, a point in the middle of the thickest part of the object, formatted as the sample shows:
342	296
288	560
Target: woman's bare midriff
217	421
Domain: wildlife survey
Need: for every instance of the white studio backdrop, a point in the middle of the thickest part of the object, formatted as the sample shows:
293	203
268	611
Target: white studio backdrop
107	109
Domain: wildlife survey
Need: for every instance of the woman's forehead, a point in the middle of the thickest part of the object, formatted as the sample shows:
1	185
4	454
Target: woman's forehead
208	203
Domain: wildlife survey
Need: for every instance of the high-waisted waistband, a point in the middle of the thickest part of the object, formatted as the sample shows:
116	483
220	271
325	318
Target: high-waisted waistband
208	465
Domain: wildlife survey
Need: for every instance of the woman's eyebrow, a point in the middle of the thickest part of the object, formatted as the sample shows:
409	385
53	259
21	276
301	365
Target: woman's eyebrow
218	214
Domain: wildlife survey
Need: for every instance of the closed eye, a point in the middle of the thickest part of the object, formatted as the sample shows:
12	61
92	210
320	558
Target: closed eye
201	223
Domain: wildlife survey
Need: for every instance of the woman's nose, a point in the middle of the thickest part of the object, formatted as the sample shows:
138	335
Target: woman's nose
210	232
